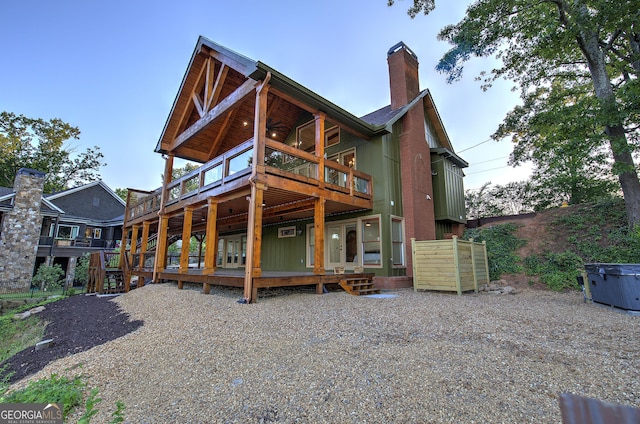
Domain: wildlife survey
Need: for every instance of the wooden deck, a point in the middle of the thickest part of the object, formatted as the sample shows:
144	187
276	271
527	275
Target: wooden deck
235	278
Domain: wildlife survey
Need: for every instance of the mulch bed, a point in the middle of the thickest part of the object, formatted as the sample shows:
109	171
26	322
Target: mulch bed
76	324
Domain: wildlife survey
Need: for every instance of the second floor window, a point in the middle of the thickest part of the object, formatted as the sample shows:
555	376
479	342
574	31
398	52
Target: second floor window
68	232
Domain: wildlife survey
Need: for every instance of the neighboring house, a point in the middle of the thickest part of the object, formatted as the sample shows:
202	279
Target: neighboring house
66	225
291	183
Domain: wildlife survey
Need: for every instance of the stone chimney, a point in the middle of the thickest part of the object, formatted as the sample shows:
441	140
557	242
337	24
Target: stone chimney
20	232
403	75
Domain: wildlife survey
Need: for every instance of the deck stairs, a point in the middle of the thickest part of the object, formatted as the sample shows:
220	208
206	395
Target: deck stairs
358	285
152	242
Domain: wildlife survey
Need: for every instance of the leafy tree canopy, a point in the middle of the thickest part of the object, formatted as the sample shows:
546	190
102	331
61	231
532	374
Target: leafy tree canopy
590	45
43	145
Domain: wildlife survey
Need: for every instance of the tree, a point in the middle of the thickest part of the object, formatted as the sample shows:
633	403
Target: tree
509	199
122	193
540	42
43	145
556	128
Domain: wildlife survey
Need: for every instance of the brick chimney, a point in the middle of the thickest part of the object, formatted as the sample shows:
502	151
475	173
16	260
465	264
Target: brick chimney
403	75
415	154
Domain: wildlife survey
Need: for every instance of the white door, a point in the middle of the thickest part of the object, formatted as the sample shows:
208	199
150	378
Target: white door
235	250
341	245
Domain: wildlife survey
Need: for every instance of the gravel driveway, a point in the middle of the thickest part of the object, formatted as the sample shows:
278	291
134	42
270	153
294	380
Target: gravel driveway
335	358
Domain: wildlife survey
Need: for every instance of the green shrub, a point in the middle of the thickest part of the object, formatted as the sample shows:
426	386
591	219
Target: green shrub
502	245
49	277
558	271
82	269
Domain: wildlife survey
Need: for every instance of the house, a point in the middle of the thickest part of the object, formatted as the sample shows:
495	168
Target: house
292	188
54	228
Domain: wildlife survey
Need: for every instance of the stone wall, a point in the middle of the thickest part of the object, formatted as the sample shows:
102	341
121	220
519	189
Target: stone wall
20	232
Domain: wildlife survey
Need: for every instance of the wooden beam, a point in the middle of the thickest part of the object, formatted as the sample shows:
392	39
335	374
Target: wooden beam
226	125
234	100
306	107
318	233
213	95
186	239
184	115
211	247
198	104
222	58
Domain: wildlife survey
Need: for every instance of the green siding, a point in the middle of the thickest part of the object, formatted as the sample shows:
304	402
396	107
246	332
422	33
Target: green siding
442	228
287	253
448	190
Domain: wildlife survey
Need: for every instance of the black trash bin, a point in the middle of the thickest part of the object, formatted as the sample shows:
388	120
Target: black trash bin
615	284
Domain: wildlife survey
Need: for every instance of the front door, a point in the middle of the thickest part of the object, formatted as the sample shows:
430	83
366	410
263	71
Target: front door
342	245
235	251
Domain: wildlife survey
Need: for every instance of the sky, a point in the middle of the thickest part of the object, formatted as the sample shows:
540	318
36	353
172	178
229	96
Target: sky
113	69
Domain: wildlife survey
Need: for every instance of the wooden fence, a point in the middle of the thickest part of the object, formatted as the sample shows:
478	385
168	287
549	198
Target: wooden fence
449	265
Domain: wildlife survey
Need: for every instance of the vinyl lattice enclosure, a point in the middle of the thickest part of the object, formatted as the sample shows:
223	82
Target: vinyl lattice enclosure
449	265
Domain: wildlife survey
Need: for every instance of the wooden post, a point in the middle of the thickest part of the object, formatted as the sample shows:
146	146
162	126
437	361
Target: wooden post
160	262
413	263
260	125
318	231
134	242
456	262
145	240
254	224
486	260
211	248
123	247
254	240
186	239
319	139
168	174
473	265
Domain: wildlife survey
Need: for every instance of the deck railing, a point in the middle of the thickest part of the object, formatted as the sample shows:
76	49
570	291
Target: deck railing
279	159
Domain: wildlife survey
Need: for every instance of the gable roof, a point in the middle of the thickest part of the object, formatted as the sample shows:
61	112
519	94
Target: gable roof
387	117
46	207
243	70
85	187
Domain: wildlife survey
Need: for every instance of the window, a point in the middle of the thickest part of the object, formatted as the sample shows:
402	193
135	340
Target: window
68	232
429	133
311	243
397	241
306	136
97	233
371	252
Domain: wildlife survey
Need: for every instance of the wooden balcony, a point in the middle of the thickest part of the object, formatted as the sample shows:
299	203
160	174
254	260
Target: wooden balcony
293	177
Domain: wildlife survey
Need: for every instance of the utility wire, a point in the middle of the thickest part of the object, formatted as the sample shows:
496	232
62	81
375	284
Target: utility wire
475	145
490	160
487	170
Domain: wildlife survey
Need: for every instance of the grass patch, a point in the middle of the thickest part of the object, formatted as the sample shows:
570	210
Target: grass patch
62	390
54	389
16	335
